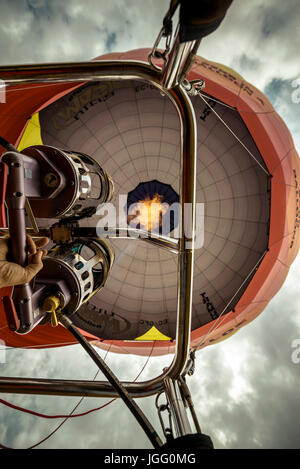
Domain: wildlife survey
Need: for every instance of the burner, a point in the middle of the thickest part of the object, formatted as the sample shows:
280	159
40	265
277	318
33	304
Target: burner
153	206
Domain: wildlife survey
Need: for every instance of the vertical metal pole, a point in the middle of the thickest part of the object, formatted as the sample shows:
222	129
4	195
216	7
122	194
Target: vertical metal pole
177	59
177	407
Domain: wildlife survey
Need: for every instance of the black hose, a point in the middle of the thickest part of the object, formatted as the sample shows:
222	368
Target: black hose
123	393
7	145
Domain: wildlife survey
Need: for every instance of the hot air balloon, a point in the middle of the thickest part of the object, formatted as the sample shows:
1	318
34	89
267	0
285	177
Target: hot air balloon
117	111
246	178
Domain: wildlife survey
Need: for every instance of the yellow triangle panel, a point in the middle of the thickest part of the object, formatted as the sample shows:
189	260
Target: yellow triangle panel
153	334
32	133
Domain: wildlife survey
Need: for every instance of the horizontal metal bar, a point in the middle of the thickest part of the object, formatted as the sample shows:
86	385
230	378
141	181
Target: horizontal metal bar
161	241
64	387
72	72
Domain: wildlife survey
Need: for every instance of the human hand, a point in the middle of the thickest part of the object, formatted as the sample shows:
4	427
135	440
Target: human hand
14	274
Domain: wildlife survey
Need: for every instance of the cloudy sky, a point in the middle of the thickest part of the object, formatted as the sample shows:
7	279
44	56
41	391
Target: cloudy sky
246	389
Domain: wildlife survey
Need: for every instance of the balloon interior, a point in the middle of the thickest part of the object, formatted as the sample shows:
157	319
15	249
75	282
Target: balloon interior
169	191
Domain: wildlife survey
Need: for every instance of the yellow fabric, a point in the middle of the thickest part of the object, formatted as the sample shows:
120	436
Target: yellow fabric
228	70
32	133
153	334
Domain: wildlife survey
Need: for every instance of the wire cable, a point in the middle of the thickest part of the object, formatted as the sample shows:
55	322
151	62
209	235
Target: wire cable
110	376
61	416
71	414
7	145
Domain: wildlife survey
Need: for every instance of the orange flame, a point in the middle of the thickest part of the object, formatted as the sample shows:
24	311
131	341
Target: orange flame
149	212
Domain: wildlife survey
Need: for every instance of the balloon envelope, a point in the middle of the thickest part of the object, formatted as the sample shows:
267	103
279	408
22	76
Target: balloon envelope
247	191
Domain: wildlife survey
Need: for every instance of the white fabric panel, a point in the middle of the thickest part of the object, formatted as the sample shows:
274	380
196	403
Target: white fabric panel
134	134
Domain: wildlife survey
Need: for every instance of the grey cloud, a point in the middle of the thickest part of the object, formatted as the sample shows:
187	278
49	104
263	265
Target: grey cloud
246	62
110	41
41	9
280	93
243	32
112	427
42	31
277	18
266	413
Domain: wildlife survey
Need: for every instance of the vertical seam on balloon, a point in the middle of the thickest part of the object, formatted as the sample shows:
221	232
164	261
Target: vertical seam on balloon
217	322
280	162
284	236
120	134
239	94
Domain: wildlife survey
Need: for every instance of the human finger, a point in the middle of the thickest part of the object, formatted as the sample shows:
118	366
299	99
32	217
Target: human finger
33	268
40	242
31	245
3	248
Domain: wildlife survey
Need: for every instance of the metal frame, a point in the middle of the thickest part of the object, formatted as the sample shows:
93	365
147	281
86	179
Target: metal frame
128	70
